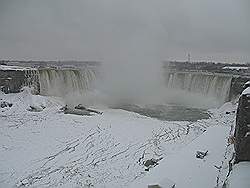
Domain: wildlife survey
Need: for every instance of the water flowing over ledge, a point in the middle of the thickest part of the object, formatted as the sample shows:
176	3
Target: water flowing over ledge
62	81
207	84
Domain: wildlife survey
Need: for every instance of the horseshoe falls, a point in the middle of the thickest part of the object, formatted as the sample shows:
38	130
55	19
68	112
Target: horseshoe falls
208	85
61	82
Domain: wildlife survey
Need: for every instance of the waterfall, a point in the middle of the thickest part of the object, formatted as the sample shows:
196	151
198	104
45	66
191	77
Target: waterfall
61	82
210	85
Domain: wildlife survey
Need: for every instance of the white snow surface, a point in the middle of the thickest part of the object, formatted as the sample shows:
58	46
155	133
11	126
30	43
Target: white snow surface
15	68
235	68
240	176
53	149
248	82
246	91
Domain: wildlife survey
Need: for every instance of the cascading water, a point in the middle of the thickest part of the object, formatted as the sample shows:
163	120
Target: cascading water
61	82
197	89
209	85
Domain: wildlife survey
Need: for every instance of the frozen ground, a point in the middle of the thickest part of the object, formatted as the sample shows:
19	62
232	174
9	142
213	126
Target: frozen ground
52	149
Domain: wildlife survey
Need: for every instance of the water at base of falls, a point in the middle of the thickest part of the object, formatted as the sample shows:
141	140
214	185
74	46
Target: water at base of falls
168	112
188	93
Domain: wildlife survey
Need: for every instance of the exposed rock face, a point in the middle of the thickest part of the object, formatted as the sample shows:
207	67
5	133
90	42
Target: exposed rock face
12	80
237	86
242	129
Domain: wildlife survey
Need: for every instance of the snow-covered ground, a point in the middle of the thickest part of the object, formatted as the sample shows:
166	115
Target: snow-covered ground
15	68
185	170
239	176
51	149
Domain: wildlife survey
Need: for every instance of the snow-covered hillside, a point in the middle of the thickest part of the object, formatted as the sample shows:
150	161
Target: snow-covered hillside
51	149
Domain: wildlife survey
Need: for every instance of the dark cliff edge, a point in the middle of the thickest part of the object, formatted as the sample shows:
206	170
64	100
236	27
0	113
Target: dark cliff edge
12	80
242	128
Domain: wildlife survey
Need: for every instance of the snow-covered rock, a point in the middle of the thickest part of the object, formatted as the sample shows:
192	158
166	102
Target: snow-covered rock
246	91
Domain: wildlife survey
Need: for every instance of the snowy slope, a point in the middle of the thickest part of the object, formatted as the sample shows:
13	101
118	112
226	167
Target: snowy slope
185	170
49	148
240	176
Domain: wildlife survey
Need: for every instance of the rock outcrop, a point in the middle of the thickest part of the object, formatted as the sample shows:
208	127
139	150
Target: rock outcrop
242	129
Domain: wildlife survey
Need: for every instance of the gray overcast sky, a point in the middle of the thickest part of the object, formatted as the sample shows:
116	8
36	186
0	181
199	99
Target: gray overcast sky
99	29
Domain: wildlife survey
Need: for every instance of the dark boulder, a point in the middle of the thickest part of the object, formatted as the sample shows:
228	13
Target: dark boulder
35	108
201	154
242	129
81	107
77	112
4	104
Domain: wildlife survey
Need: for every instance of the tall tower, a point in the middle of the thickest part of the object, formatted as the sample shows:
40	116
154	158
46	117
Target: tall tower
189	58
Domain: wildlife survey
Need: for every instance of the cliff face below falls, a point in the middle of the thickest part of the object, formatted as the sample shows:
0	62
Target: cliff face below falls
13	78
242	129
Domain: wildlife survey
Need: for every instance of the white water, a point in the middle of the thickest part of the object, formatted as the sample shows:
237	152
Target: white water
211	87
63	82
192	89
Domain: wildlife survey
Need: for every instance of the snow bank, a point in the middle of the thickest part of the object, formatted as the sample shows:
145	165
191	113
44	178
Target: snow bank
247	83
49	148
185	169
235	68
15	68
240	176
246	91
